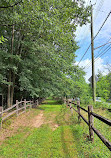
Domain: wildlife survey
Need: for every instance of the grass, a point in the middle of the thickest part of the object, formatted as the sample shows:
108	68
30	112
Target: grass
96	149
69	140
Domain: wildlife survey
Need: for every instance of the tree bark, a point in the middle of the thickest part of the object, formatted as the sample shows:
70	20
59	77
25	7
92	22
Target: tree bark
12	88
9	87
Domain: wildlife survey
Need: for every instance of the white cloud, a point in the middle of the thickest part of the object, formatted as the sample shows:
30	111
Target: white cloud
83	32
101	10
98	66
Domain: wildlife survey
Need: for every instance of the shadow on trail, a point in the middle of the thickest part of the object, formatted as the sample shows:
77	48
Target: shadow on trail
46	105
40	108
48	108
50	103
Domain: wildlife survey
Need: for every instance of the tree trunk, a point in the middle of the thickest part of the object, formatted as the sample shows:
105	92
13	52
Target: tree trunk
10	93
13	76
9	87
12	88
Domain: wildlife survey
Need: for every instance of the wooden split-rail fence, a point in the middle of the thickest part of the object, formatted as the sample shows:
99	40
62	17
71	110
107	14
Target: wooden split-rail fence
90	121
18	108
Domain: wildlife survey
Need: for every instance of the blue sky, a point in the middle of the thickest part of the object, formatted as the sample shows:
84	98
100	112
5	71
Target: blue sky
101	10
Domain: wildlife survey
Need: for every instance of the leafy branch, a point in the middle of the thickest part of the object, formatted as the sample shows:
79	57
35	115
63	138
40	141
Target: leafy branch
11	5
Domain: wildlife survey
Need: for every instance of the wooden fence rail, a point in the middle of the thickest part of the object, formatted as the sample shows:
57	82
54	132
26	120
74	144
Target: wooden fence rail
90	121
18	108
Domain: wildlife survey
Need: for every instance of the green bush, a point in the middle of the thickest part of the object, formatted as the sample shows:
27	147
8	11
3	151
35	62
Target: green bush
101	105
86	99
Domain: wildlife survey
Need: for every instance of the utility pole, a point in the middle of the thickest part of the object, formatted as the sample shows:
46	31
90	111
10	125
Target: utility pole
92	52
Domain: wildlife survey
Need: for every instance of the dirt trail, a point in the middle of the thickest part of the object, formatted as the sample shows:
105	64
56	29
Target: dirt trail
38	120
21	121
25	121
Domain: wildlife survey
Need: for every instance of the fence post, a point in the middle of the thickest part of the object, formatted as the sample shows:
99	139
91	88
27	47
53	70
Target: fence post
70	102
37	102
78	109
67	102
17	107
73	101
1	110
90	119
30	104
64	99
25	104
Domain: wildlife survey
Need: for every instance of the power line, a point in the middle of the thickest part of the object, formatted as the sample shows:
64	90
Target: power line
103	52
102	24
99	55
95	36
84	54
101	45
98	52
86	31
99	8
89	64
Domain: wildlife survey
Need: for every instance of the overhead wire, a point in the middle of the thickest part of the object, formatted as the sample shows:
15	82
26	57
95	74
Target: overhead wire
85	32
101	2
98	8
95	36
89	64
97	55
101	54
102	24
86	25
101	45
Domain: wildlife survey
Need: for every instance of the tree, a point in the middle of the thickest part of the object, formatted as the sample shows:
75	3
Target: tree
36	59
103	87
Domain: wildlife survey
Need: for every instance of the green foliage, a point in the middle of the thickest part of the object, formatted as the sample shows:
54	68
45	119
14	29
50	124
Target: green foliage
2	39
104	87
40	47
102	105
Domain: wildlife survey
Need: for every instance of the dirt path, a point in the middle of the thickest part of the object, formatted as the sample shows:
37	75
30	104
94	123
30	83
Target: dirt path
38	120
25	121
21	121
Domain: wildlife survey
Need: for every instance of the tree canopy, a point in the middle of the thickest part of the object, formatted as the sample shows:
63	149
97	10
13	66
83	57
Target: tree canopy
38	56
104	86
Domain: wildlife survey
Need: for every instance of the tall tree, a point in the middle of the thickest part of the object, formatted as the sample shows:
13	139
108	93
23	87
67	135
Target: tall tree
38	54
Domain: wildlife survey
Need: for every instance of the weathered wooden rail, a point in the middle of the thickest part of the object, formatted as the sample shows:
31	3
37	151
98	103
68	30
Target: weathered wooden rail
18	108
90	121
